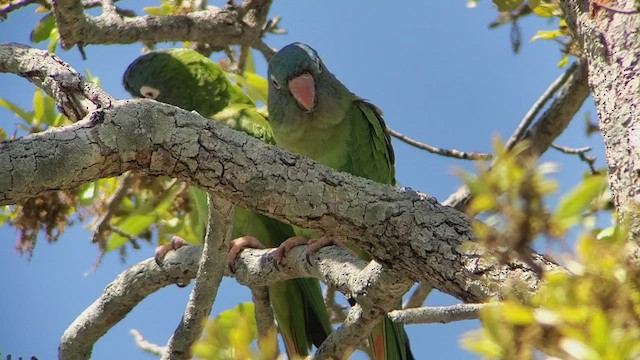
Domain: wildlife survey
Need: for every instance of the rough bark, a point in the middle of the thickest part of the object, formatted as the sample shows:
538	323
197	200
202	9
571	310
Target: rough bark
219	27
406	231
609	38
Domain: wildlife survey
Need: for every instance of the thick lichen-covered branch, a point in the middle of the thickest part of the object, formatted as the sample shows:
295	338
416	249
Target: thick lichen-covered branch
256	268
609	40
210	271
406	231
74	96
219	27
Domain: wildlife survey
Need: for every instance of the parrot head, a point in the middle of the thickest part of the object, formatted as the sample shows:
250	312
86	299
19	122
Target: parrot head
184	78
294	73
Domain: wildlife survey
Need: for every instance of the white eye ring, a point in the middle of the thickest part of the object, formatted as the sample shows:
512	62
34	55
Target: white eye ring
149	92
275	82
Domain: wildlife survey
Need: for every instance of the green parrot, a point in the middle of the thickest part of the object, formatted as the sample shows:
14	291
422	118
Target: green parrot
313	114
187	79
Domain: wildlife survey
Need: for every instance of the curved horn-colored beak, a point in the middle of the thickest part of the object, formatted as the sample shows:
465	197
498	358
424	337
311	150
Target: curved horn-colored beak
303	89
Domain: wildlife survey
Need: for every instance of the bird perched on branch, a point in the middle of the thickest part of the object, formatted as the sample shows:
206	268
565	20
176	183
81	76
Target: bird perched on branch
187	79
315	115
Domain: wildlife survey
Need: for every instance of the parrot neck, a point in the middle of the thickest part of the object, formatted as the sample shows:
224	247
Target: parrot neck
312	138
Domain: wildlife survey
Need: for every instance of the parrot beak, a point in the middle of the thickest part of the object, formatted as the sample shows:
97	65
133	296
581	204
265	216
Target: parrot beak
303	89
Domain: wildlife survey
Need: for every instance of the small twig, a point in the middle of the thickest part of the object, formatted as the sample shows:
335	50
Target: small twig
266	50
145	345
548	127
418	296
210	271
581	152
437	314
267	331
102	225
121	296
453	153
535	109
14	5
242	58
354	331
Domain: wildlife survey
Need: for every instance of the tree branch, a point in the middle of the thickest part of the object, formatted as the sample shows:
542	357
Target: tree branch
219	27
121	296
74	96
549	126
609	40
418	296
453	153
265	323
210	271
437	314
404	230
368	284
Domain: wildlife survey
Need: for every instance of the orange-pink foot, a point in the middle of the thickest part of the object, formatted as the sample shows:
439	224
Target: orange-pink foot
176	243
239	244
287	245
324	241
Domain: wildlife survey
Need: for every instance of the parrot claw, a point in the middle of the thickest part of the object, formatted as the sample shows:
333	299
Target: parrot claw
290	243
162	250
239	244
324	241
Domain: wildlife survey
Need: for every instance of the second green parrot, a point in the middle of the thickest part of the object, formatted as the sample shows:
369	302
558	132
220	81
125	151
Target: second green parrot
315	115
187	79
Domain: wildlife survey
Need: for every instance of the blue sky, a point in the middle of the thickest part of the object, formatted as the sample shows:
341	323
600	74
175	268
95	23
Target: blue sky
440	76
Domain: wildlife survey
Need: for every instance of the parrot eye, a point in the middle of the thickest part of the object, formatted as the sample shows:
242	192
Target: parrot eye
149	92
275	82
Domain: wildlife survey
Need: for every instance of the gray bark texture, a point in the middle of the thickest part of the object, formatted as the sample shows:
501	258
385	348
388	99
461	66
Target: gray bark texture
609	39
407	232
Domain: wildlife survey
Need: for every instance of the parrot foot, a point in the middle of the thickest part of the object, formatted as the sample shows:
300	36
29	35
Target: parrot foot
239	244
176	243
324	241
287	245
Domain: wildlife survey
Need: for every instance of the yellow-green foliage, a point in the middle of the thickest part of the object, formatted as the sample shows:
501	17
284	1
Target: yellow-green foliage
591	313
509	197
232	336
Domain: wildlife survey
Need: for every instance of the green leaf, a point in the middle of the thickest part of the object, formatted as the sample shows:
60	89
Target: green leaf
18	111
249	64
3	134
141	218
38	107
49	116
53	43
547	35
564	61
507	5
255	85
43	29
572	205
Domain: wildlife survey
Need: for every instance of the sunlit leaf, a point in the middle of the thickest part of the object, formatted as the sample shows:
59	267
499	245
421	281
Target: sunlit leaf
564	61
255	85
38	107
18	111
547	35
573	204
507	5
42	31
53	43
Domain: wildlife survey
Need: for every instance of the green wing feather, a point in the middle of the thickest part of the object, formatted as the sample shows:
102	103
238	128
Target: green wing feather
185	78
